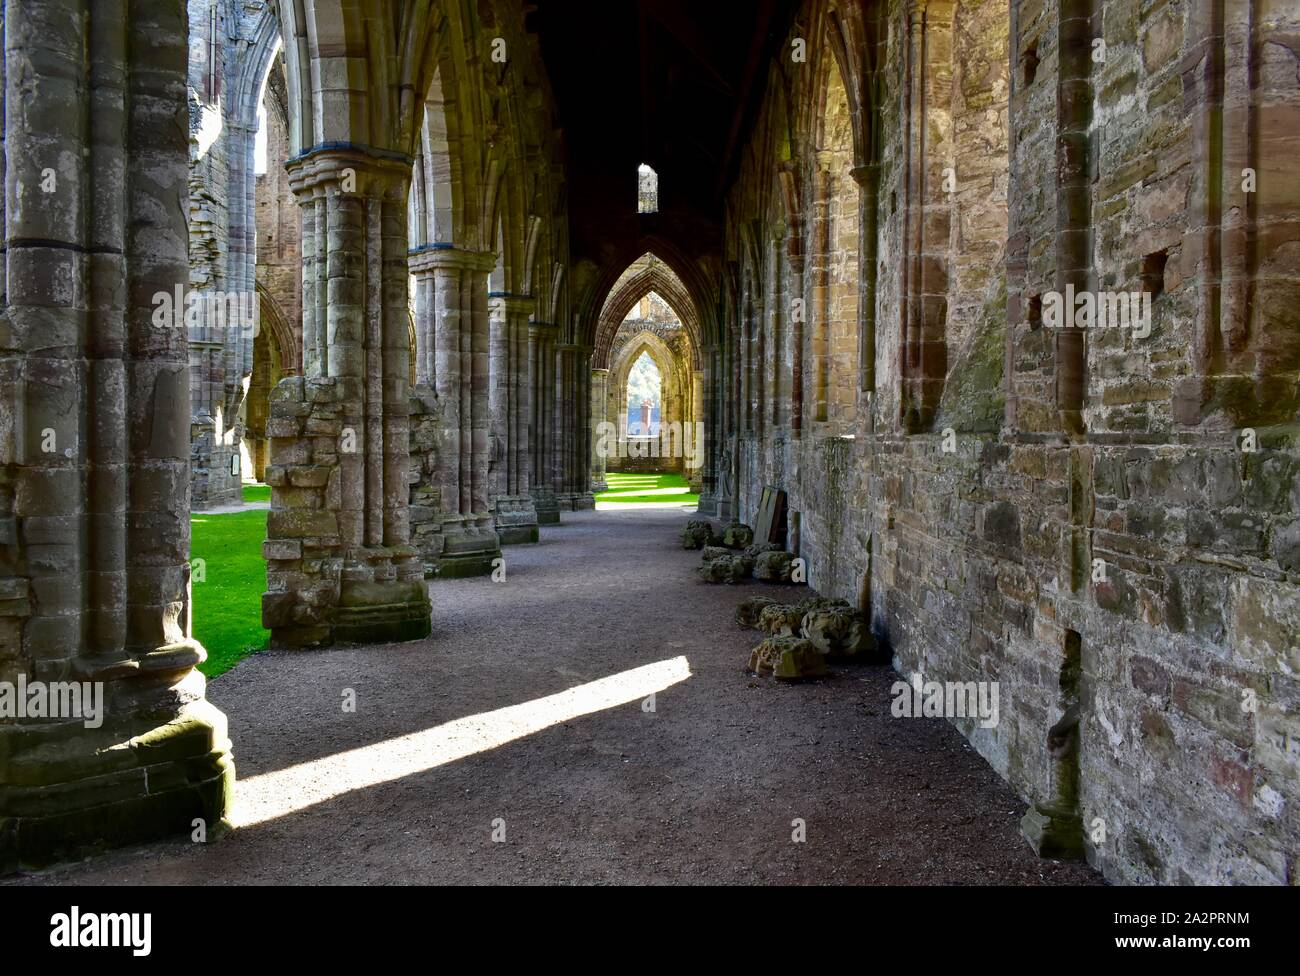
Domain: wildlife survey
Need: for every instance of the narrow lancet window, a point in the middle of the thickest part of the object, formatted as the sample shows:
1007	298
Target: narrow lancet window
647	190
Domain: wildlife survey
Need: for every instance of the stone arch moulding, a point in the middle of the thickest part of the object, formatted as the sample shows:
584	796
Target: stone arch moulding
272	317
694	285
253	68
662	280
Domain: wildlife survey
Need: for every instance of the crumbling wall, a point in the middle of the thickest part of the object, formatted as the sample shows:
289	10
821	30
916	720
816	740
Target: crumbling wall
304	546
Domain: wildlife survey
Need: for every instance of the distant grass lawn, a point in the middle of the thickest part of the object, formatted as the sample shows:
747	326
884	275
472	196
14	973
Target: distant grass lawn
257	493
228	603
642	489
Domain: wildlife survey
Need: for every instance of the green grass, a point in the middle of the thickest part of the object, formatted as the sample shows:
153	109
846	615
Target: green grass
643	488
228	602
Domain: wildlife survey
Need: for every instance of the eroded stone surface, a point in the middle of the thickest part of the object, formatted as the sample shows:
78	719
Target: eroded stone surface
750	610
787	659
698	533
773	566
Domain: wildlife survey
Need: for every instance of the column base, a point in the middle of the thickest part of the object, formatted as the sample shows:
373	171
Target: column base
547	505
575	501
470	546
386	612
516	519
70	791
1053	835
599	484
370	595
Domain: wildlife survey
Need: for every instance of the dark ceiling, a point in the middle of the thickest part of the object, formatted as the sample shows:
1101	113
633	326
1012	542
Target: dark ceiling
671	83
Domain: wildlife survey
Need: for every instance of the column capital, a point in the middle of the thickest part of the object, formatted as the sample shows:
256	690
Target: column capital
514	304
866	176
432	257
349	170
544	330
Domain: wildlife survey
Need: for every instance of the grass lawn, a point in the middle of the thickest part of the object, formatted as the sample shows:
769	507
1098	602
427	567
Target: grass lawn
257	493
228	603
642	489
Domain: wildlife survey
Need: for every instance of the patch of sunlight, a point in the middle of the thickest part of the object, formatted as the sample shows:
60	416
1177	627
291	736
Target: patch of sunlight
638	492
635	506
285	791
209	128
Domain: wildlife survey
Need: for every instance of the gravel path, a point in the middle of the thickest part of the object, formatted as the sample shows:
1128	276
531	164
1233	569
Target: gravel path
476	730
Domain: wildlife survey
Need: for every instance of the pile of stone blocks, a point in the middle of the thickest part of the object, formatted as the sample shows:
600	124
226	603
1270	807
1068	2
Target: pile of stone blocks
728	568
738	558
802	637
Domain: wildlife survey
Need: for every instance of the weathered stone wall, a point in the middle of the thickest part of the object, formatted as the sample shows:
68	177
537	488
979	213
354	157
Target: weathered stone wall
426	493
215	432
279	244
277	348
304	547
1092	534
322	590
230	47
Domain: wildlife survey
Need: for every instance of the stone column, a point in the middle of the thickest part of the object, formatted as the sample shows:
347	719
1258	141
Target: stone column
459	370
340	566
599	445
241	287
732	413
94	439
516	514
426	372
695	421
710	417
573	394
564	359
582	441
541	440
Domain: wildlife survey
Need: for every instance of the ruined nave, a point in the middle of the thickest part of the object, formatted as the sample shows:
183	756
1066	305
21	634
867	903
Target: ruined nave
402	402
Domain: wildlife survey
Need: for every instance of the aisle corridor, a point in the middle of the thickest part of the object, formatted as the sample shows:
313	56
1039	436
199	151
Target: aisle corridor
704	788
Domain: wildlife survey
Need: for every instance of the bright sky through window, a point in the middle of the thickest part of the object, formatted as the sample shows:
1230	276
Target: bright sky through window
647	190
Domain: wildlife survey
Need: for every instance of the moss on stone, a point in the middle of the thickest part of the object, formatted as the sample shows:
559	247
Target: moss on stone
973	399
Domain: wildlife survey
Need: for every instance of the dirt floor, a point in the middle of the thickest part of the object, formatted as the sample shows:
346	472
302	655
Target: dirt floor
412	785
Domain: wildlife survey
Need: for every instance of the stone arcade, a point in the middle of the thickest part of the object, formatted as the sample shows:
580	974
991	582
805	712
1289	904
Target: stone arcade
848	270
